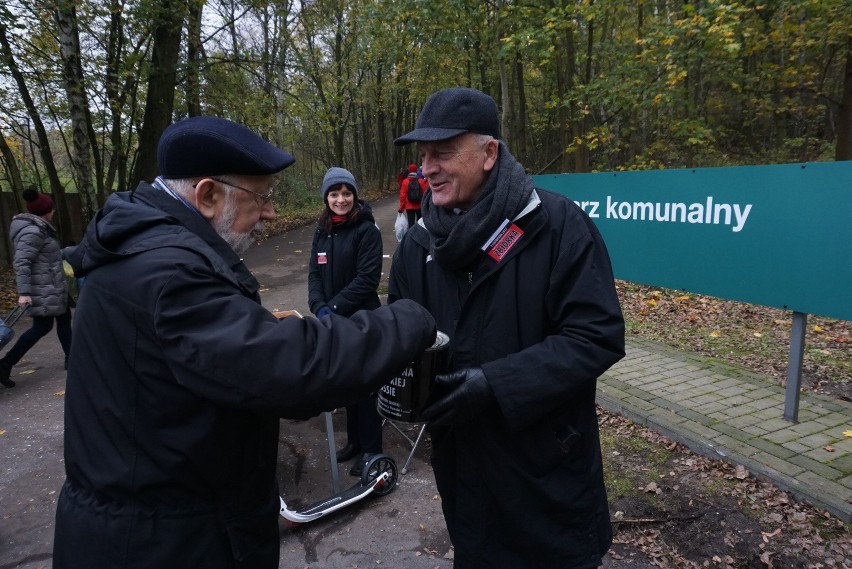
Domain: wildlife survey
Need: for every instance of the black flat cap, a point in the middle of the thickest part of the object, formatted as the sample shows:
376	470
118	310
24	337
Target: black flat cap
210	146
451	112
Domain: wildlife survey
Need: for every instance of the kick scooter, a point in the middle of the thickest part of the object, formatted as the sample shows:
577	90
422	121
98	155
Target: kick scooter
378	478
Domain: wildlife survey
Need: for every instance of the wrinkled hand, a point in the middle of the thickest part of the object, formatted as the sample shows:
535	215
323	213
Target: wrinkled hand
25	300
324	311
470	396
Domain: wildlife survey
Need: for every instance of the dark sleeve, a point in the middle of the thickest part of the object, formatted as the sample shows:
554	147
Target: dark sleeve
368	271
230	350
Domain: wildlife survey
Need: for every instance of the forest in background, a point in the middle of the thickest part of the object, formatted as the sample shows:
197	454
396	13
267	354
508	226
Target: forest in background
86	87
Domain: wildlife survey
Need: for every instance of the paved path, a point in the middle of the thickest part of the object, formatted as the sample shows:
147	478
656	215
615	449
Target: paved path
721	411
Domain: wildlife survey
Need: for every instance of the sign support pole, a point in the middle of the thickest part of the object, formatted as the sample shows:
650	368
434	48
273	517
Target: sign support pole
794	366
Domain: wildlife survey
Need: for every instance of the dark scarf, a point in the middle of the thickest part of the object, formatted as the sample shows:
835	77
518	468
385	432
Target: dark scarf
456	240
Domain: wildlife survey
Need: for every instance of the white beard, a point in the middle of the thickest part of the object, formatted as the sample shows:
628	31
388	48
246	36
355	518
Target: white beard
239	242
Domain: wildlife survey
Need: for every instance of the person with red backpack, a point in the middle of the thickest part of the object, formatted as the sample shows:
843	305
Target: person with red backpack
411	191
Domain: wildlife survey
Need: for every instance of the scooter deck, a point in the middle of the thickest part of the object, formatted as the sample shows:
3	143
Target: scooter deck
332	504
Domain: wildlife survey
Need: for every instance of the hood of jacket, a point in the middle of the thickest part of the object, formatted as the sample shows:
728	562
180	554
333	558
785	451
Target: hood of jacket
23	220
146	218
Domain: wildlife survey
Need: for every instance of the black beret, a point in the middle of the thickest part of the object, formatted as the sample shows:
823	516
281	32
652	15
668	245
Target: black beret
451	112
211	146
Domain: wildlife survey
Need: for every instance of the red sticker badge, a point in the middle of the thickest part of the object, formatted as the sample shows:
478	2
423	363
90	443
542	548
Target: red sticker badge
502	240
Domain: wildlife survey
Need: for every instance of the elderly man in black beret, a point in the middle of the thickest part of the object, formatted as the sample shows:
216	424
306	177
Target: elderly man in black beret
520	280
178	376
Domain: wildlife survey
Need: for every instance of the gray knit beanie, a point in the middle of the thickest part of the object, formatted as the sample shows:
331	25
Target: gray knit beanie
336	176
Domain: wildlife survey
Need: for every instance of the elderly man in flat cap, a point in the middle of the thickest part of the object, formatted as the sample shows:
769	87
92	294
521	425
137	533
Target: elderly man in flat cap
178	376
520	280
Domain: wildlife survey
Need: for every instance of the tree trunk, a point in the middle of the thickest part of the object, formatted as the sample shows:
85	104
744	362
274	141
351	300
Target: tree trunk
161	88
63	219
843	151
78	104
17	186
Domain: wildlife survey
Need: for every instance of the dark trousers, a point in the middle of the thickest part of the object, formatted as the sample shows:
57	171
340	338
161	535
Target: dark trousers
413	216
364	425
41	326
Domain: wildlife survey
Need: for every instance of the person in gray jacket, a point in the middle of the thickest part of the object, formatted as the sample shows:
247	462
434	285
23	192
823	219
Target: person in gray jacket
40	279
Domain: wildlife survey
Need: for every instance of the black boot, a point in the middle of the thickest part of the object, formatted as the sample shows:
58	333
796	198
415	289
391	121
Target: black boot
348	452
358	468
5	370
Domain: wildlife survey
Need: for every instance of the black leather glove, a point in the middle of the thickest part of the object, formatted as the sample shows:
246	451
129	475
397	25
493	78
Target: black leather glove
469	395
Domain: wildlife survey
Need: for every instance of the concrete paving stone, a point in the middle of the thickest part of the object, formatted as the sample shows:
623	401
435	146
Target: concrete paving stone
812	466
740	410
782	466
718	417
829	458
845	443
745	420
822	486
772	406
737	401
807	428
696	417
657	387
776	450
706	398
731	391
667	404
846	482
832	419
781	436
679	397
779	423
817	440
756	430
796	447
735	446
733	432
639	403
707	408
639	393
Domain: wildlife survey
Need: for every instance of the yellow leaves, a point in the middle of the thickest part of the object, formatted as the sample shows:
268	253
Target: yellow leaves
651	302
60	393
2	432
27	372
817	329
848	433
758	335
715	334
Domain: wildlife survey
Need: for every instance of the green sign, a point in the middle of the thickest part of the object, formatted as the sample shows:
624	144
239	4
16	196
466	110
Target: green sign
778	235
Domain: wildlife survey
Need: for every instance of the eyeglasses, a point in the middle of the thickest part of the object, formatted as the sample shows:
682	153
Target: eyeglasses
261	199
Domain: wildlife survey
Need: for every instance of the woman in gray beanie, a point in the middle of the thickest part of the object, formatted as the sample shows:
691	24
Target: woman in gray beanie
345	268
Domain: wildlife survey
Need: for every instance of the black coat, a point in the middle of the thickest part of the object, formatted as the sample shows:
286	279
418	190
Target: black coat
348	279
176	382
522	486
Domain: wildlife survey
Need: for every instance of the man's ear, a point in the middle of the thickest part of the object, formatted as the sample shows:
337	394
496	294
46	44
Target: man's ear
206	198
492	148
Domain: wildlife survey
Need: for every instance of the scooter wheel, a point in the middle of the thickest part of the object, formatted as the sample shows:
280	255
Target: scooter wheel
376	467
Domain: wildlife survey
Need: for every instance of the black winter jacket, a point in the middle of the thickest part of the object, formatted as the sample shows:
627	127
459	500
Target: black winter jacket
347	278
176	382
522	486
